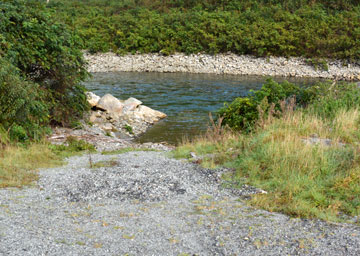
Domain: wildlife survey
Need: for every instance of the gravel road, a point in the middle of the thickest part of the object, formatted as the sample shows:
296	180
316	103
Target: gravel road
145	203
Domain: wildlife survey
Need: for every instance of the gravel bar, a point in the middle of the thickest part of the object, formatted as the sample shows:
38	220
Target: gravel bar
222	64
145	203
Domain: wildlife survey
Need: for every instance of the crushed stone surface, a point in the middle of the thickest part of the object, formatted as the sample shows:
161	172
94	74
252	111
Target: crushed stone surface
145	203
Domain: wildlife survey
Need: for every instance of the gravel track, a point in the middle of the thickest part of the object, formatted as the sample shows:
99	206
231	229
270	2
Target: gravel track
148	204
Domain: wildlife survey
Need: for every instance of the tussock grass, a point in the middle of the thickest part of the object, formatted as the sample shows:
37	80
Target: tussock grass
302	179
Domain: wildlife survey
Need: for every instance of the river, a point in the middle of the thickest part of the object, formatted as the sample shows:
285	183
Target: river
186	98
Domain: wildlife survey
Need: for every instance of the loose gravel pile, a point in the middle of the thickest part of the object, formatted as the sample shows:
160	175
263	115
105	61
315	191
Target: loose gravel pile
144	203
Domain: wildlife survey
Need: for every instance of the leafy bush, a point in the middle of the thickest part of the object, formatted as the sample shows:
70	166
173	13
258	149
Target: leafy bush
46	53
23	111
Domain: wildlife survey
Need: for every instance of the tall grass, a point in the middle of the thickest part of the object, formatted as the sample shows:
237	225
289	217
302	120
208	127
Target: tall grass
19	163
303	179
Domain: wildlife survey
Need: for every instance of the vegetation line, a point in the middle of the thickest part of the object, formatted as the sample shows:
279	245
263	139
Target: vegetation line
314	29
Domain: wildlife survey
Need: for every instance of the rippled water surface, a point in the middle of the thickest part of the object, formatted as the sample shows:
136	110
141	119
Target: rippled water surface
187	99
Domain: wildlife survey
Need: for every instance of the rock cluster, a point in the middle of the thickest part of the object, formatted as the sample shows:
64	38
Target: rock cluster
221	64
121	117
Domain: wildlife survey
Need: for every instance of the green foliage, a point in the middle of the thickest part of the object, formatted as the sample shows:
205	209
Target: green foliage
314	29
240	114
41	68
76	145
318	64
73	146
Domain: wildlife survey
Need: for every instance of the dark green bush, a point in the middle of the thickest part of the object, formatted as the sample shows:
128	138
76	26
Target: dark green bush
46	53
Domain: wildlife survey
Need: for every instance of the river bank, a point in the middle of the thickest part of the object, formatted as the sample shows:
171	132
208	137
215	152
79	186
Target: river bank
221	64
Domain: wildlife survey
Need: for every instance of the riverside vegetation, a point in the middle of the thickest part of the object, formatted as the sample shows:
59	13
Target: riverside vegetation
267	142
275	139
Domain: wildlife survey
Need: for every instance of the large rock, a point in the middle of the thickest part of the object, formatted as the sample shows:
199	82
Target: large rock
92	98
110	104
112	114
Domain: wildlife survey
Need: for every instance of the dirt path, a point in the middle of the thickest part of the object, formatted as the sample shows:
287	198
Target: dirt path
144	203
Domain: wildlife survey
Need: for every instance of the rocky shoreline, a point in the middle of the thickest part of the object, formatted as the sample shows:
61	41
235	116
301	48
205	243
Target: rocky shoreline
112	124
222	64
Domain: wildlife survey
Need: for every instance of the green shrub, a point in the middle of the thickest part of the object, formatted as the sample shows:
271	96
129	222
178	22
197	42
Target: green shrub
76	145
240	114
243	112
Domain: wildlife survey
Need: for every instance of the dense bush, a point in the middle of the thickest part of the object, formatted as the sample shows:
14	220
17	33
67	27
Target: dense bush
322	99
314	29
40	71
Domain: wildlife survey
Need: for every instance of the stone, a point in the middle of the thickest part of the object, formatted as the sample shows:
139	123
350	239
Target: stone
129	107
92	98
97	117
110	104
221	63
107	127
93	117
113	114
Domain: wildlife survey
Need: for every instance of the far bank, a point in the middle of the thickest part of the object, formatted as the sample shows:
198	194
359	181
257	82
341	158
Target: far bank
224	64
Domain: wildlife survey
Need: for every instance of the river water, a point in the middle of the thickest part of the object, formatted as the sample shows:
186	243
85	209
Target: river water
186	98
